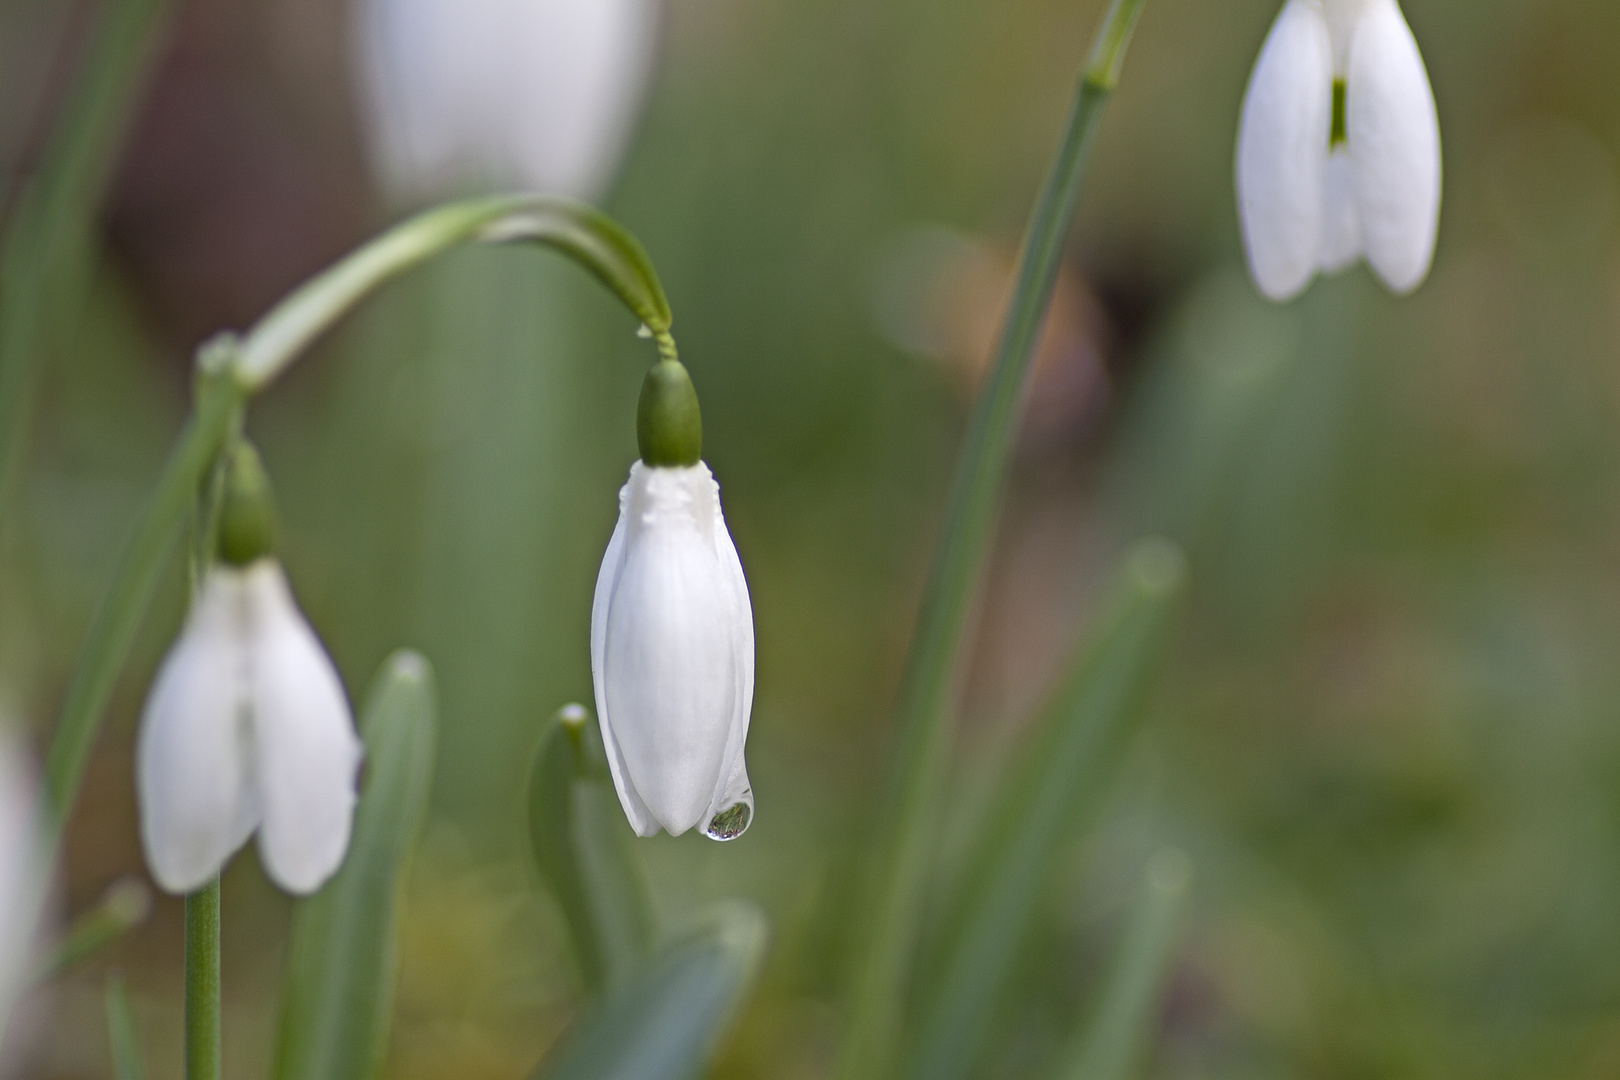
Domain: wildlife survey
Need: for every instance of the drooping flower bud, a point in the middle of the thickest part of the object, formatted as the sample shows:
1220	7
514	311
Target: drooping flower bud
247	726
672	633
537	95
1339	149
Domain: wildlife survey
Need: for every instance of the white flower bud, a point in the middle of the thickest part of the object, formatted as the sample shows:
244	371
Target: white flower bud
246	727
672	656
537	95
1339	149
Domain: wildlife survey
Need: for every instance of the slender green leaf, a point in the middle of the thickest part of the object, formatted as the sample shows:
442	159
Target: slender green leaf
576	829
126	1050
219	403
126	904
667	1022
1068	760
583	233
342	962
52	223
1111	1047
924	715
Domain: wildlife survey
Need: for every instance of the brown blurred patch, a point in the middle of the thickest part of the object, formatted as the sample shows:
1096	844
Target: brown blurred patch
243	174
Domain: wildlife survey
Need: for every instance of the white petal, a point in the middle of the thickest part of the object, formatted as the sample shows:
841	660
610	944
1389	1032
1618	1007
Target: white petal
641	819
196	801
21	868
307	752
1282	151
673	646
1342	16
734	787
1394	139
1341	217
536	94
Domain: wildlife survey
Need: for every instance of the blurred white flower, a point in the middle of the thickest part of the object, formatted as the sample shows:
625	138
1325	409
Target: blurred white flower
672	655
1339	149
21	870
246	727
536	95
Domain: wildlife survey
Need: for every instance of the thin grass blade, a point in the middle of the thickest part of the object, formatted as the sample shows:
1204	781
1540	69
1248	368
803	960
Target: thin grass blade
1040	802
575	830
1113	1045
343	961
126	1050
667	1022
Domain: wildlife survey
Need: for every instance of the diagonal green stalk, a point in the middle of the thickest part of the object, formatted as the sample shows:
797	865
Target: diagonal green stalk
126	1049
1113	1043
203	1038
923	719
54	213
219	403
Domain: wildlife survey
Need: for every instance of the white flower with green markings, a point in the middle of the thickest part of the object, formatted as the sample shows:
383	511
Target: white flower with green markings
247	727
672	633
1339	150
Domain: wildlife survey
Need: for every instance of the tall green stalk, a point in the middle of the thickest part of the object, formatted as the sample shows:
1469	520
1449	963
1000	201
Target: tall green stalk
924	716
203	1037
51	227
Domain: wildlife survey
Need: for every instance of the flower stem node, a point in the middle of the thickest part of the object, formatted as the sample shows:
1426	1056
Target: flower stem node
669	425
1339	149
247	510
246	728
672	656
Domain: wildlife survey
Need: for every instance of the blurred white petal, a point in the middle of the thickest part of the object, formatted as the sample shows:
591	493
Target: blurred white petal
533	94
1282	151
21	869
1341	219
192	756
307	752
1394	138
672	645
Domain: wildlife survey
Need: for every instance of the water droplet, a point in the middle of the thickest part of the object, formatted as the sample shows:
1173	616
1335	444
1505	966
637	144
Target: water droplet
730	823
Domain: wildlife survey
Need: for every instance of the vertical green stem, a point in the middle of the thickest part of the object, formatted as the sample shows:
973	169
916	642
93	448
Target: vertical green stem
54	213
202	983
923	719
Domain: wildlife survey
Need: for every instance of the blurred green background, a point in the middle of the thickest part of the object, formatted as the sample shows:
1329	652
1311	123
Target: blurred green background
1387	735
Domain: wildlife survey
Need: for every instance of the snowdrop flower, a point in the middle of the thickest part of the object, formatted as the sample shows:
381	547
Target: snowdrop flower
537	95
672	633
21	869
247	726
1339	150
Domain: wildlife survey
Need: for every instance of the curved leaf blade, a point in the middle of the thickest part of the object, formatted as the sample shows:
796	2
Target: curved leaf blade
342	961
1067	762
666	1023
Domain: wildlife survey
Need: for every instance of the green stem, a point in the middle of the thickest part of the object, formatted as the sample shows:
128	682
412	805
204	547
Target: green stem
589	237
57	205
202	983
923	719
